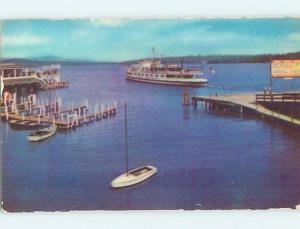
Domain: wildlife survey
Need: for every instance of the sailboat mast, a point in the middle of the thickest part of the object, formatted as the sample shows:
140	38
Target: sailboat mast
153	53
126	147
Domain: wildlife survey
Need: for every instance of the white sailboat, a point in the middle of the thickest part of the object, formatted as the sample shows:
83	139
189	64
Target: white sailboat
134	176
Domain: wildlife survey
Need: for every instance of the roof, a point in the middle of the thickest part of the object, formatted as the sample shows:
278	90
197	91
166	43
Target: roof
9	66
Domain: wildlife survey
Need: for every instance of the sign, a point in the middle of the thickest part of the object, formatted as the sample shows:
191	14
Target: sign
285	68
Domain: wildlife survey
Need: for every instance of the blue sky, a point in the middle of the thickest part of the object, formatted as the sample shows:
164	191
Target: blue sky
120	39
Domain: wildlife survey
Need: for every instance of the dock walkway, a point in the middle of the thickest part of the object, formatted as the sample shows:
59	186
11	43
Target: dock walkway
63	119
243	103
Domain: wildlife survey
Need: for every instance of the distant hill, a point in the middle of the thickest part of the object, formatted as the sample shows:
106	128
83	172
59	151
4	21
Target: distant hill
47	60
263	58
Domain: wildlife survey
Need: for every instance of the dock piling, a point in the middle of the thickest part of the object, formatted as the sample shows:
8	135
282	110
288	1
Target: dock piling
51	114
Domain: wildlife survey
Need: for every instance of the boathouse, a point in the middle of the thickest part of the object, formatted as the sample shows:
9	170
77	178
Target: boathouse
13	74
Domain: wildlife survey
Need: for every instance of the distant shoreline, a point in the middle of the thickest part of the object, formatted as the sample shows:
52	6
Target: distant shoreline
209	59
230	59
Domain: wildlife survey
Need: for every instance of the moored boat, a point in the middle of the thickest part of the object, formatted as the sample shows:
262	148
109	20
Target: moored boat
42	134
20	124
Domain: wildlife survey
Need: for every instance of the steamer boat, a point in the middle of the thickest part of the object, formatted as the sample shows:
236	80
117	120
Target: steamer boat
153	71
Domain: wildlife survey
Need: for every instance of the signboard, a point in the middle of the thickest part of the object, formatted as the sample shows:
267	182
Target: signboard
285	68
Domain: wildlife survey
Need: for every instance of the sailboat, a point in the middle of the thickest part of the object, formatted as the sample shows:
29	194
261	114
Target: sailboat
134	176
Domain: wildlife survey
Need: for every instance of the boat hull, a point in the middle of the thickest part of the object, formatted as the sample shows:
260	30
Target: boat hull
125	180
167	82
26	125
51	131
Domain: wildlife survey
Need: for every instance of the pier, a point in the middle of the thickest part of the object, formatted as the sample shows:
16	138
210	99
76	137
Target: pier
273	106
53	114
28	111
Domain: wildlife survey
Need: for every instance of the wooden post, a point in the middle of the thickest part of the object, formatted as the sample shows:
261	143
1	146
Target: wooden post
77	121
107	108
15	102
270	78
86	103
59	103
195	103
95	111
186	97
79	111
84	114
6	110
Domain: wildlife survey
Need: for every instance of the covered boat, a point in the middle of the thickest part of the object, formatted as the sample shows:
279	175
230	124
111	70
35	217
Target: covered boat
134	176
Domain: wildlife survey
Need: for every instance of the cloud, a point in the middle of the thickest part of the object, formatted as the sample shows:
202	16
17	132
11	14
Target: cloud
23	40
108	22
116	39
294	37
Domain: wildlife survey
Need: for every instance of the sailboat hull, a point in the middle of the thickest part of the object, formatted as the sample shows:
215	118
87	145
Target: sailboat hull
133	177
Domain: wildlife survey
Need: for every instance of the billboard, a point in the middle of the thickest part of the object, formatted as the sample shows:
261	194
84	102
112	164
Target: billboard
285	68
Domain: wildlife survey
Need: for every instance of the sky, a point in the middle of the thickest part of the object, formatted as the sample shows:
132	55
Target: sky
128	39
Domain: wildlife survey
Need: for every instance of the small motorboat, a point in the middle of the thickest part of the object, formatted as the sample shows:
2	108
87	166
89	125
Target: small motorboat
42	134
13	121
19	124
211	71
134	176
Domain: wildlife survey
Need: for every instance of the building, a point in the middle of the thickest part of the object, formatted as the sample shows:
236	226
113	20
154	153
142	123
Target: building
13	75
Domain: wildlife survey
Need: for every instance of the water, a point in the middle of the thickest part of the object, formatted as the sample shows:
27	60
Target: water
205	160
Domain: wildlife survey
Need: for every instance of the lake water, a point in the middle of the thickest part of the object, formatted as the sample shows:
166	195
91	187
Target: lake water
205	159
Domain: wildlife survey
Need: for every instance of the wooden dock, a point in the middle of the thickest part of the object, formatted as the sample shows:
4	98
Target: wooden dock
249	103
63	119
